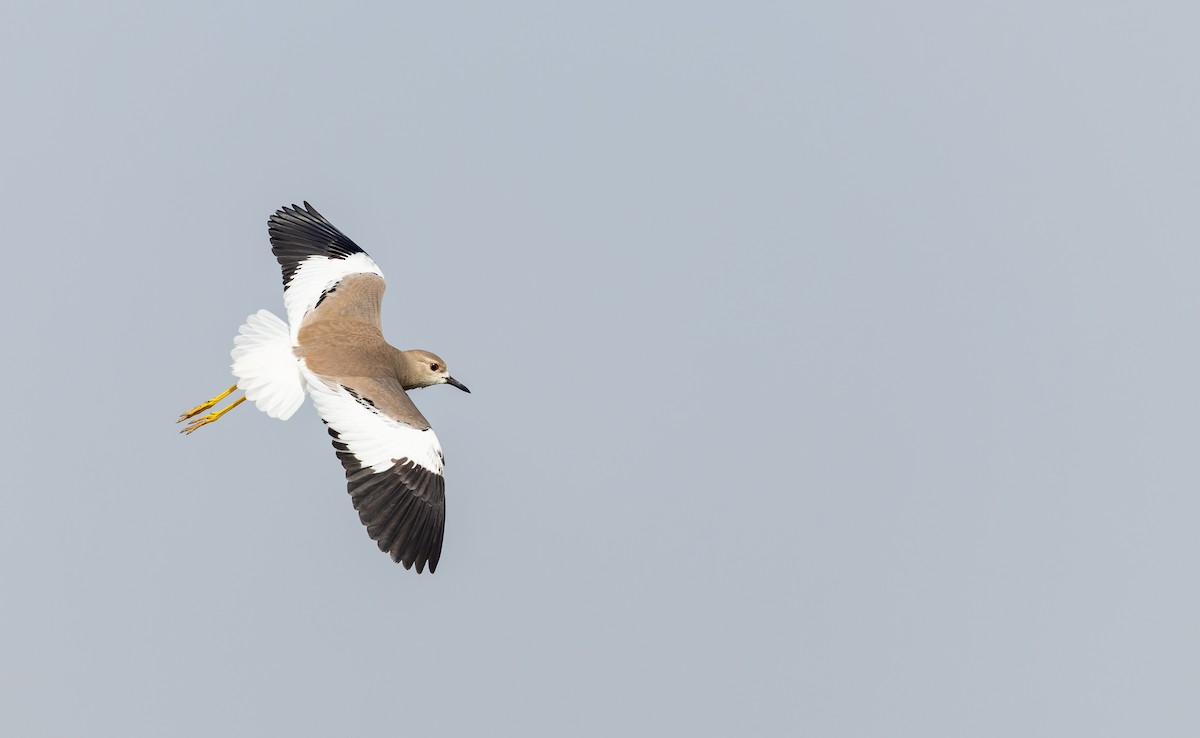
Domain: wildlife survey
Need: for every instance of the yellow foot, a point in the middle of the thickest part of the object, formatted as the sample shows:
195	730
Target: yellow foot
198	422
206	405
206	419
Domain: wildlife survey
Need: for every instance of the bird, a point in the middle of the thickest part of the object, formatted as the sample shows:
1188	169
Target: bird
331	347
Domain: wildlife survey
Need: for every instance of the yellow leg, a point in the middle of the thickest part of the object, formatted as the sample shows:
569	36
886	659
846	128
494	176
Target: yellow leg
206	405
206	419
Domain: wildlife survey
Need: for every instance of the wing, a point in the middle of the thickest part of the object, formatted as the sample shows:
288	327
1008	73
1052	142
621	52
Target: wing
393	464
315	256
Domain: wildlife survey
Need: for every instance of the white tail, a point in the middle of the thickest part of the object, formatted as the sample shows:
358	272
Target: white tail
265	366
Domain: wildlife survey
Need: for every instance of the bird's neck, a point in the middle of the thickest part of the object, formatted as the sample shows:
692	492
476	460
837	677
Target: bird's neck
409	369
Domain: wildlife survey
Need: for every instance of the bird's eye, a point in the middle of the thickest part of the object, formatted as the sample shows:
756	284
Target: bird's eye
434	367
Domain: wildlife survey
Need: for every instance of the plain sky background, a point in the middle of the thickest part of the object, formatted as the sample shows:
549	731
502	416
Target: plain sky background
834	368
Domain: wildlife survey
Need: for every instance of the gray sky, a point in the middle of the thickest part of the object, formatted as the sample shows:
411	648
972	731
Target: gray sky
834	368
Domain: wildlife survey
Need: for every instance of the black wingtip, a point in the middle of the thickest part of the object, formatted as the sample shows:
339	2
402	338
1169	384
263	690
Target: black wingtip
403	508
297	233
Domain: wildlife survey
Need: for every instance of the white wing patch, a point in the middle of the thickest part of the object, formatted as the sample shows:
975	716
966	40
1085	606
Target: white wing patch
313	277
375	439
265	366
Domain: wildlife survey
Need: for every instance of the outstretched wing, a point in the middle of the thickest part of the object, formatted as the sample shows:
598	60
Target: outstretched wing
393	463
315	256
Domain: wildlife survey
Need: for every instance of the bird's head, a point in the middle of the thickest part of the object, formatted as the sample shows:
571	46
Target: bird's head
426	369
